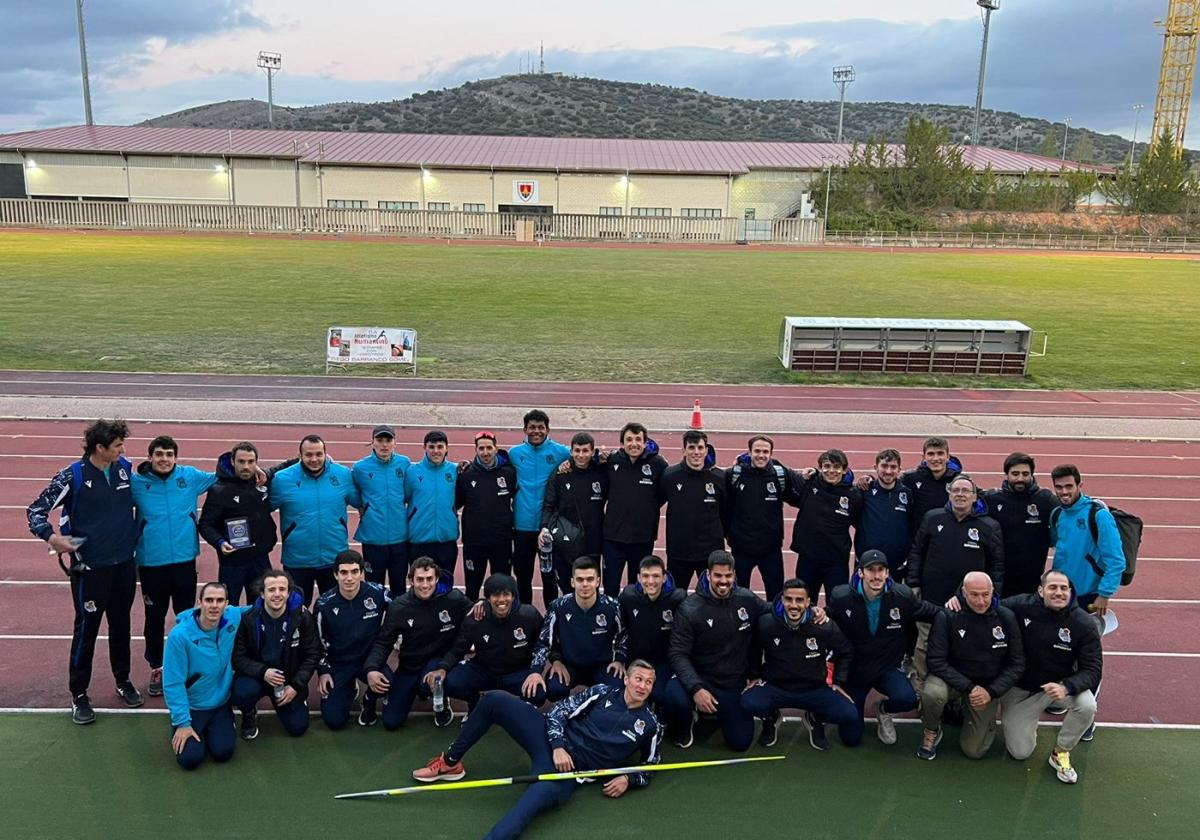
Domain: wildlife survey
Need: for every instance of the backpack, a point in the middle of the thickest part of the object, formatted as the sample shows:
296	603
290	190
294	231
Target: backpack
1129	528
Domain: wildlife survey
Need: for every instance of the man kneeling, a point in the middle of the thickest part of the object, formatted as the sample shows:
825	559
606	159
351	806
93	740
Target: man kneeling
595	729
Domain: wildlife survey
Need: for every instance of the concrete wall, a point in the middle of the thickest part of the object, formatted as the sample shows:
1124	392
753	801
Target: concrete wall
76	175
770	193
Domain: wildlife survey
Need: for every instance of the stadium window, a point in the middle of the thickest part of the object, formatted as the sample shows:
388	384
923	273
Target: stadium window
650	211
474	208
438	205
346	204
701	212
749	214
398	205
610	211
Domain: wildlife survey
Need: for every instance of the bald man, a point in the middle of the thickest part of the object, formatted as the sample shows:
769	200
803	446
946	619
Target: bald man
974	654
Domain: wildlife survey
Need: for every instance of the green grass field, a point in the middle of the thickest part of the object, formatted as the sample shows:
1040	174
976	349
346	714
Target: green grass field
104	302
118	779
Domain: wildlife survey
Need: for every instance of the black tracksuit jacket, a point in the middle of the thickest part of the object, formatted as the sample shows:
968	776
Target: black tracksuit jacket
632	512
1060	646
649	623
696	512
301	648
945	549
755	502
232	498
485	497
822	530
793	658
579	496
502	645
419	629
967	649
1025	526
929	493
713	639
884	650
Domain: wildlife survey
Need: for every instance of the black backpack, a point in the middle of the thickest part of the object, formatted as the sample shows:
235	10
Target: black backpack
1129	527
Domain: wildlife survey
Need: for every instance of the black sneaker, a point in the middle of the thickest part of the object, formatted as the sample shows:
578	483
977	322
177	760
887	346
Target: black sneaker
368	716
688	736
128	692
1089	734
250	725
445	717
154	689
816	733
770	729
81	710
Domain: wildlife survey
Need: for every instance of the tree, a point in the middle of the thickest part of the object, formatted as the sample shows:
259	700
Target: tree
1049	147
1160	184
1084	150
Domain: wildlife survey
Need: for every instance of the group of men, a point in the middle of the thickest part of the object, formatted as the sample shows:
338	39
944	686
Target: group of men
934	556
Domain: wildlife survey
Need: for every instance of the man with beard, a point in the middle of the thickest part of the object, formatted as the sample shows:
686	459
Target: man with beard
631	516
535	461
485	492
1023	511
238	508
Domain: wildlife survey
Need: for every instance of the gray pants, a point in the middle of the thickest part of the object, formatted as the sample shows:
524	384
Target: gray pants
1020	710
919	663
979	725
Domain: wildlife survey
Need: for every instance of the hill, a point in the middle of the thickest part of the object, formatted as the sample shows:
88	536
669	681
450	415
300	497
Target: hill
554	105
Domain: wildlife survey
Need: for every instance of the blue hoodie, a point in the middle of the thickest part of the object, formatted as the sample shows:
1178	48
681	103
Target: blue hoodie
312	513
430	491
384	518
1074	546
166	513
197	672
534	465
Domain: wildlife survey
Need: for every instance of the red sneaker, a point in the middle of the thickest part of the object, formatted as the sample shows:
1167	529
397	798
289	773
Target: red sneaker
439	770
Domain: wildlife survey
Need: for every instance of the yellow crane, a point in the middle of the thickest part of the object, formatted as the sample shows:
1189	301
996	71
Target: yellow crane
1180	32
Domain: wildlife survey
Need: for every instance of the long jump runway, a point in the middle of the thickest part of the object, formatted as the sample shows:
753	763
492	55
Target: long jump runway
1152	662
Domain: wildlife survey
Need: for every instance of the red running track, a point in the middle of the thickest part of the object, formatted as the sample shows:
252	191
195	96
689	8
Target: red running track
1156	645
808	398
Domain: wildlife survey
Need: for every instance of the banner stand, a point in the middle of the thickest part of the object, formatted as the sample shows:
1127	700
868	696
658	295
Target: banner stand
389	346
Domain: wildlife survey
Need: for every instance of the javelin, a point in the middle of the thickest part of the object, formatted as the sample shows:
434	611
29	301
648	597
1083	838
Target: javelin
554	777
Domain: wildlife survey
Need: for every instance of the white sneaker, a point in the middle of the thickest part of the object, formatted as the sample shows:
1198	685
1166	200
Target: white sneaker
1061	762
887	725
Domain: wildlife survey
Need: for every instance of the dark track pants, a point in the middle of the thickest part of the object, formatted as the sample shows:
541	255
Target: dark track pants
682	571
822	572
466	680
243	577
621	560
525	560
892	684
217	737
406	687
107	592
247	691
737	725
769	565
479	557
390	561
307	579
170	588
527	726
335	708
825	704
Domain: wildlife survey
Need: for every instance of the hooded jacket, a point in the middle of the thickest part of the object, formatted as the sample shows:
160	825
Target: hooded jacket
347	628
794	658
755	500
312	513
165	507
197	671
1074	546
713	638
930	493
420	629
822	531
1060	646
430	491
599	730
578	496
886	524
696	510
884	650
1025	528
581	638
486	495
233	498
945	549
384	519
967	649
97	506
534	466
649	622
301	647
502	645
633	507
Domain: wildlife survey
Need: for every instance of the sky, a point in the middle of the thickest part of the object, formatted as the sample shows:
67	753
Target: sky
1089	60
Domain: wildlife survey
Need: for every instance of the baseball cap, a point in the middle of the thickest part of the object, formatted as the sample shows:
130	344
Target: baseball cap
383	430
485	435
874	557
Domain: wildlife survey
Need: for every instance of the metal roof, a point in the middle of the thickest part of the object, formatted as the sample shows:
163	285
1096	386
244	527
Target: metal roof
453	151
905	324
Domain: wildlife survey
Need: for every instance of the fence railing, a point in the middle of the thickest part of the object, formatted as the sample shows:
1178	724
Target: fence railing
119	215
1055	241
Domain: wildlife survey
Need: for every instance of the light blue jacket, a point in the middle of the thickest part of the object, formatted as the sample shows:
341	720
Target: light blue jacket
312	513
1074	545
534	465
202	658
385	510
430	491
166	513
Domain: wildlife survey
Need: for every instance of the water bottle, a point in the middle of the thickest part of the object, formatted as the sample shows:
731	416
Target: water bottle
546	553
278	692
439	697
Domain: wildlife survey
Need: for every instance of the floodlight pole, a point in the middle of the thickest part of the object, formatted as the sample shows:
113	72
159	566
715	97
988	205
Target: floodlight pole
269	63
988	7
1137	113
1066	131
828	179
83	68
842	76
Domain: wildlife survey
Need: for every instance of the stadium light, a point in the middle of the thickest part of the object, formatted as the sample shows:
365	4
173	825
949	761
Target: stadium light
270	63
219	167
988	6
1066	132
83	65
1137	113
842	76
30	163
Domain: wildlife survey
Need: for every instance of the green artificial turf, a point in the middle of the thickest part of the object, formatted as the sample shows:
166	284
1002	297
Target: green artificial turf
117	779
102	302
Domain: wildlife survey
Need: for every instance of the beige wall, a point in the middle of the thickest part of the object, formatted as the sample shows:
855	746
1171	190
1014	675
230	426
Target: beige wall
586	193
458	187
269	182
678	191
370	184
71	175
770	193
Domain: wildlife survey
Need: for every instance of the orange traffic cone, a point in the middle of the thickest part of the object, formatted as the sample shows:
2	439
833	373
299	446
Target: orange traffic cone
697	422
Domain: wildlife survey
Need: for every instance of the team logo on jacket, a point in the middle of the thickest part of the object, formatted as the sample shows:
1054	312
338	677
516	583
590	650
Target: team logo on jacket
181	482
811	643
677	486
667	615
1028	621
894	614
501	481
410	622
124	475
369	603
708	621
336	610
639	726
335	481
973	534
646	469
635	612
843	503
903	498
486	637
918	485
399	472
89	606
999	508
601	620
472	485
1064	635
940	528
776	641
771	487
595	486
998	633
1032	510
709	489
444	616
743	614
568	616
568	485
549	459
449	477
518	634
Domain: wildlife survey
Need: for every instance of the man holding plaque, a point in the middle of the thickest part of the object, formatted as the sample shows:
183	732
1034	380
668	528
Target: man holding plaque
236	521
